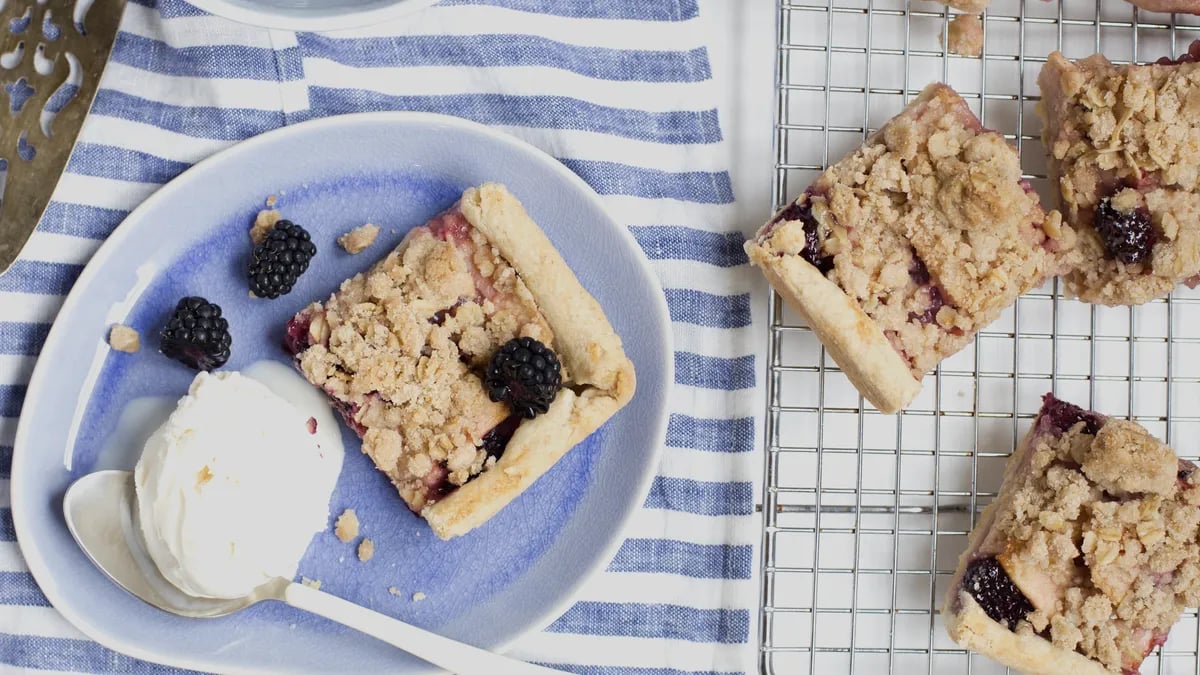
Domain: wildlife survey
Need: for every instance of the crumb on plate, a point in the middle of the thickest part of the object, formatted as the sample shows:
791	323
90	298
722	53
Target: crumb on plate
358	239
366	550
346	527
311	583
393	590
124	339
263	223
418	596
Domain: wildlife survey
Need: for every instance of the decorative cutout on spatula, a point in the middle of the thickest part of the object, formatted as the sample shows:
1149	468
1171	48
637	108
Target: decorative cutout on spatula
52	53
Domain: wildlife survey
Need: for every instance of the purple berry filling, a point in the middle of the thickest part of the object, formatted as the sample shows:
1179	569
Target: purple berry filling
937	299
812	243
1059	416
1128	237
936	302
295	340
1191	56
987	582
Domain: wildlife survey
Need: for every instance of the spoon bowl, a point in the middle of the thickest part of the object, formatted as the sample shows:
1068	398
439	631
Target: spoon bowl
102	515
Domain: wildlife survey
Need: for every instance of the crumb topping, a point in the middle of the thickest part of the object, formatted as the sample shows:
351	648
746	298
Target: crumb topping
930	228
357	240
1101	534
1128	133
346	527
124	339
964	35
402	346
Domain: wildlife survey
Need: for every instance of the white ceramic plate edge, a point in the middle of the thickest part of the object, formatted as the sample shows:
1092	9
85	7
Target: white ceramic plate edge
314	21
33	556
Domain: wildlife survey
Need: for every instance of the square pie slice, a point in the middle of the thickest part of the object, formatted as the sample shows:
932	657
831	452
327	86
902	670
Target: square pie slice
1124	146
899	253
401	349
1087	556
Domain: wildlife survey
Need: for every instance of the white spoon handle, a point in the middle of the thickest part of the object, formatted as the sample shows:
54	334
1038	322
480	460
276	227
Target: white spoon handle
452	655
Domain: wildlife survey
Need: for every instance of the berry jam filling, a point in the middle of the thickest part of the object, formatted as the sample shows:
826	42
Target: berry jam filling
497	439
936	302
937	299
295	339
451	226
812	242
987	582
348	411
1128	236
1059	416
1191	56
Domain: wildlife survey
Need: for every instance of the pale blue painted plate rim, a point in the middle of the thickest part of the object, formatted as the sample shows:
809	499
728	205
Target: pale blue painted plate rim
28	531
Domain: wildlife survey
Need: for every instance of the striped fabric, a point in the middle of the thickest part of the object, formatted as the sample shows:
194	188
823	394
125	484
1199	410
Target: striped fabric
621	92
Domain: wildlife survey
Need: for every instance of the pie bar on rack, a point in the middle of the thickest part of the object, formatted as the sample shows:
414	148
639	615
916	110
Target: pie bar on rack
1124	147
402	350
899	253
1087	556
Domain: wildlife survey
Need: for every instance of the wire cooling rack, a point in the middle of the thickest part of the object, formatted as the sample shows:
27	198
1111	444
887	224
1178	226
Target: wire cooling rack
865	514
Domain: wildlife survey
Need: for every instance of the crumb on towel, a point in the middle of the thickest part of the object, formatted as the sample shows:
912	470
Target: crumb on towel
346	527
366	550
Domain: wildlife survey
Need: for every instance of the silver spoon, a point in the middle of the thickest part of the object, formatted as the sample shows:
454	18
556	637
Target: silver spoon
101	511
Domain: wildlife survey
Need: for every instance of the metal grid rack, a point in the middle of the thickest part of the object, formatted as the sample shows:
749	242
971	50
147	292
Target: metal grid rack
865	514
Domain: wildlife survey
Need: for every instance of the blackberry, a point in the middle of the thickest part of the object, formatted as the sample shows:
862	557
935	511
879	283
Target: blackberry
987	582
279	260
1128	237
196	335
526	375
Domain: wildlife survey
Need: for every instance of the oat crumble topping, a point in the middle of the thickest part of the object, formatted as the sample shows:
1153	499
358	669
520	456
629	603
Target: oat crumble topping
1100	532
1128	133
346	527
964	35
401	349
928	226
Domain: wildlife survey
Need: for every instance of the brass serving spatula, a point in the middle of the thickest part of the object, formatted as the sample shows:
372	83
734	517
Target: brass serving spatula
52	53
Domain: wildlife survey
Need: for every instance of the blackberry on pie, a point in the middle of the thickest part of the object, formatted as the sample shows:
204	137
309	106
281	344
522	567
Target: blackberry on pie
469	360
1124	154
1088	555
902	251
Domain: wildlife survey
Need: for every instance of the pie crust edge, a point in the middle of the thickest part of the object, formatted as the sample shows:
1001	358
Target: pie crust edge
854	341
587	345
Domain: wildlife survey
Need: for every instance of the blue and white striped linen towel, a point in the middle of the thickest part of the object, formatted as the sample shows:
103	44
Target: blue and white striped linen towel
621	92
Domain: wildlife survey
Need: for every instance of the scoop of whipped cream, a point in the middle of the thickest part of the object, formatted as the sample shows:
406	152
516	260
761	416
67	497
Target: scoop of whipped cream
232	488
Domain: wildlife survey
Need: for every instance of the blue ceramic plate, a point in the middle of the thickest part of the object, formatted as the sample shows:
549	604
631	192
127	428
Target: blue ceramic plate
514	574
